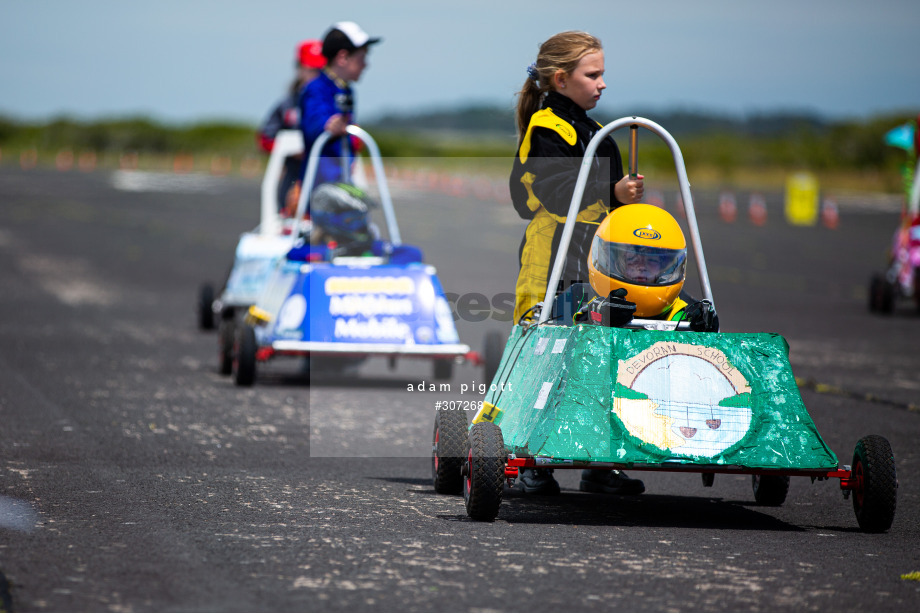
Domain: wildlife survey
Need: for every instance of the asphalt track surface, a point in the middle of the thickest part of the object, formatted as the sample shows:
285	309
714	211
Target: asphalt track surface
133	477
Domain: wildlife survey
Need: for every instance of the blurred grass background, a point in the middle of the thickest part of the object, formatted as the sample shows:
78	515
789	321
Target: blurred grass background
756	152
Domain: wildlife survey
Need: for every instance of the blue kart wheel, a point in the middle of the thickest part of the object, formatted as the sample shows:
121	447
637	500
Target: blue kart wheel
226	332
443	369
205	310
244	359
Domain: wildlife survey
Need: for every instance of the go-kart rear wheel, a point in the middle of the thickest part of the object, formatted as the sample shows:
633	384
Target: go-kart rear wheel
226	331
875	492
244	356
917	288
447	451
484	471
874	292
770	489
205	310
493	349
443	368
881	295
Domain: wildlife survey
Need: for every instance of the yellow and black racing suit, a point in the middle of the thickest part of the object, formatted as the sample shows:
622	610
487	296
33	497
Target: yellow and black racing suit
542	184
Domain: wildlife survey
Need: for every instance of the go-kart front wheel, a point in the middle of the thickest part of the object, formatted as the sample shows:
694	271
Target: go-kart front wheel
244	356
770	489
226	332
447	451
443	368
917	288
881	295
205	311
484	471
875	492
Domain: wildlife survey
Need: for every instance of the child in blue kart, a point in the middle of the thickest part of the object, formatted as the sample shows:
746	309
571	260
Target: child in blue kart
341	219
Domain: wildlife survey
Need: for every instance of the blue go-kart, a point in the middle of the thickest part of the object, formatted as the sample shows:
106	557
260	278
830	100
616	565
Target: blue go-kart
337	308
256	254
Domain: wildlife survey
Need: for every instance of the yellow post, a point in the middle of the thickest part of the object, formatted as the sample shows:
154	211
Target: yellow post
802	199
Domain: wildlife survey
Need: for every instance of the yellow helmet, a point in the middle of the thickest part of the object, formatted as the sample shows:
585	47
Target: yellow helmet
641	249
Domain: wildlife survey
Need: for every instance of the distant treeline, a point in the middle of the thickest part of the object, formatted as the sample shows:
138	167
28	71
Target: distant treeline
778	140
726	146
135	135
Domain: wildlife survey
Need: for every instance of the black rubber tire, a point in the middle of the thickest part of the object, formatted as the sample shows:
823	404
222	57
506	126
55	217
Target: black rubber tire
205	311
244	356
447	451
875	293
493	348
443	368
484	471
887	300
917	288
881	295
770	489
875	495
226	332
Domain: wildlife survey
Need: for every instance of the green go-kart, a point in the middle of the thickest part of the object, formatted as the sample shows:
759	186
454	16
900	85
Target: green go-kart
650	395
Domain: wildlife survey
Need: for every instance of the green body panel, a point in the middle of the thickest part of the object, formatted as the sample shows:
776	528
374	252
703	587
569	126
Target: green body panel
596	394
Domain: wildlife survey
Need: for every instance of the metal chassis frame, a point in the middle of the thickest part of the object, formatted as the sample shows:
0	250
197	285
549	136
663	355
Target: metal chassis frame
514	463
582	180
458	352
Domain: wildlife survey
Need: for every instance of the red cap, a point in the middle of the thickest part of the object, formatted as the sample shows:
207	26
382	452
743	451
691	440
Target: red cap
310	54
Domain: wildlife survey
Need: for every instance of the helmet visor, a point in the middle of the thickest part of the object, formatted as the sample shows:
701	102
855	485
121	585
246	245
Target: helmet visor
638	264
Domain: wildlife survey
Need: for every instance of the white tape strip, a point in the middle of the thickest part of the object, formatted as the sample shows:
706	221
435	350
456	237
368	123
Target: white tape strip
541	346
543	396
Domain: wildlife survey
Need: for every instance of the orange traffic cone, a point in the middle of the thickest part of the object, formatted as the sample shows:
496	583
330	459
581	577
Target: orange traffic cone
758	209
830	216
728	210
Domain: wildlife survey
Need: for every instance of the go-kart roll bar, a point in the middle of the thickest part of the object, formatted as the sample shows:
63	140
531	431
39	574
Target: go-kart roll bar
385	201
287	143
579	193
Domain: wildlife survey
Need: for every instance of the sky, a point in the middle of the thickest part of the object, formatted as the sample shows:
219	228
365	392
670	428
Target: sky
184	61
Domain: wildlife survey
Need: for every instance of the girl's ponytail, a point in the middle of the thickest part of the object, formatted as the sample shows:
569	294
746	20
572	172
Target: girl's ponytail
529	99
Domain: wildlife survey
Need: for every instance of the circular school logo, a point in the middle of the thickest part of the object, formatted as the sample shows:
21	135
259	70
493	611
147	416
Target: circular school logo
685	398
292	312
